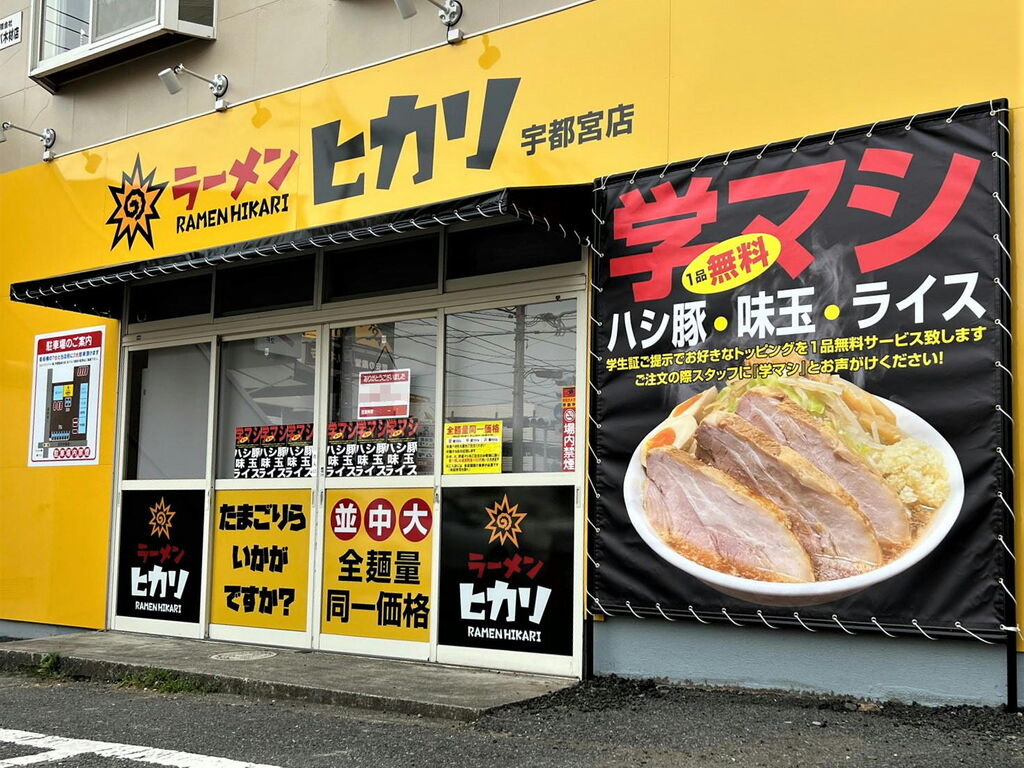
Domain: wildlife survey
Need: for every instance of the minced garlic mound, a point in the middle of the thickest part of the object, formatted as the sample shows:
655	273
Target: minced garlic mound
916	470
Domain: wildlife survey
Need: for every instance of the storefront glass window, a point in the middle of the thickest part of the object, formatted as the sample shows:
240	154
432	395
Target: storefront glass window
513	367
381	411
265	424
168	394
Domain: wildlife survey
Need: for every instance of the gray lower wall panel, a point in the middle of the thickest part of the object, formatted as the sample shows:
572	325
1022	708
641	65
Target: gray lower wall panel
866	666
27	630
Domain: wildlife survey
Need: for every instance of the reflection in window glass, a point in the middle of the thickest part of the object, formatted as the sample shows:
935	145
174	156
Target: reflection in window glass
113	16
168	393
514	364
381	417
65	25
265	424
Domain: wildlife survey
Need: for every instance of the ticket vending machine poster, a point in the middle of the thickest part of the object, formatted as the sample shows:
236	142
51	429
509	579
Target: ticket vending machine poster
160	555
507	568
261	559
66	386
377	563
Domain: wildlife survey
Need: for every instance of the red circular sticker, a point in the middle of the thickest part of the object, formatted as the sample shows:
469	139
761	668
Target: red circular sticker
345	519
380	519
414	520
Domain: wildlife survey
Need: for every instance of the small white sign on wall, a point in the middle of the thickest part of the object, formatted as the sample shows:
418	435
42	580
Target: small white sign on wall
10	30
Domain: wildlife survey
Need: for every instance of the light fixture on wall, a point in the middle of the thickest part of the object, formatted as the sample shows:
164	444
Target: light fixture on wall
47	137
449	11
218	85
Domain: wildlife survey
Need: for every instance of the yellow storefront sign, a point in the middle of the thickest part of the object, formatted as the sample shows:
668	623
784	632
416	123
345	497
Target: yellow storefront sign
377	563
261	559
472	448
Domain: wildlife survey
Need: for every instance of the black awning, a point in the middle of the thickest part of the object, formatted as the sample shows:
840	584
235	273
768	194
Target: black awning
563	210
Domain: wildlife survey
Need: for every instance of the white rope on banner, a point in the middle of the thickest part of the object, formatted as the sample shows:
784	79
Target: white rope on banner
632	179
950	118
727	156
907	126
1001	204
596	422
730	618
594	387
596	288
1000	241
1006	589
565	235
1009	551
590	557
1002	287
1008	509
591	524
481	212
884	630
872	128
694	168
658	606
992	108
962	628
632	611
794	149
1003	457
997	156
591	246
761	153
919	629
664	171
835	133
1007	371
595	355
596	457
761	616
604	183
598	604
999	408
594	489
1004	125
797	617
694	614
837	621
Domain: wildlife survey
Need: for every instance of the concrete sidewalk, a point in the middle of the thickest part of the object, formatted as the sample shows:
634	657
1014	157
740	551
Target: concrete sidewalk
432	690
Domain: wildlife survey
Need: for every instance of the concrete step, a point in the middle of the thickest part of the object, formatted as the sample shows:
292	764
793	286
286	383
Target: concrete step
420	688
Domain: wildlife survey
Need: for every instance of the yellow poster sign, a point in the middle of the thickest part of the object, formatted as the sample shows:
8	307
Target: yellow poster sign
472	448
377	563
261	559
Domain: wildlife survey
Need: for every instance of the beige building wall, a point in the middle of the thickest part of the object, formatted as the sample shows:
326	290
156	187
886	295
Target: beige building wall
262	46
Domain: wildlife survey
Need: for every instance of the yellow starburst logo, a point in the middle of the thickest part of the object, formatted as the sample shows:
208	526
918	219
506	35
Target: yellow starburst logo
160	517
505	522
135	200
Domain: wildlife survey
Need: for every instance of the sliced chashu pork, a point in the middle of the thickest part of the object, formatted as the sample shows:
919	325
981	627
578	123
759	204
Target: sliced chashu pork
835	533
786	423
711	519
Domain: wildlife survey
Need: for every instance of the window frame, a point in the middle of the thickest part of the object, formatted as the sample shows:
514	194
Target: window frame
166	22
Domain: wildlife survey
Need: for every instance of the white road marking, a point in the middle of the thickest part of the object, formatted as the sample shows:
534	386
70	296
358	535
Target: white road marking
60	748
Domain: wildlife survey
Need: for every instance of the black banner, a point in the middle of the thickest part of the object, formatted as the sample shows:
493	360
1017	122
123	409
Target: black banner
160	559
507	568
802	381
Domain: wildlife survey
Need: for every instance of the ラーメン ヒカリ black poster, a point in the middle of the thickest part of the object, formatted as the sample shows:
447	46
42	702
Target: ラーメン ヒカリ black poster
507	568
160	557
802	381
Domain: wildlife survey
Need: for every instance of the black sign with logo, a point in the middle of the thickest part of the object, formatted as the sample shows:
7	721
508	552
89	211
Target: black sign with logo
160	560
507	569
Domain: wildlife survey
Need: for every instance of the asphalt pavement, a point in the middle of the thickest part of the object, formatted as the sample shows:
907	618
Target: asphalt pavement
608	722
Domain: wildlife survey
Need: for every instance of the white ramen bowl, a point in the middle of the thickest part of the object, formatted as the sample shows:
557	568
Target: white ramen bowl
772	593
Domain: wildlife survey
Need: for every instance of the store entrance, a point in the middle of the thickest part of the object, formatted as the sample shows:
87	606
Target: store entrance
407	485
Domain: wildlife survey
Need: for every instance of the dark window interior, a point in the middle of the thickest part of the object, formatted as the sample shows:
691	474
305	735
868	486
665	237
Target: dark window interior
389	267
271	285
165	299
502	248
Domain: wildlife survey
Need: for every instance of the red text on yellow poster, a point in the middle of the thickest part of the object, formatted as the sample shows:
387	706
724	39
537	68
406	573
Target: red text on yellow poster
472	448
377	563
261	559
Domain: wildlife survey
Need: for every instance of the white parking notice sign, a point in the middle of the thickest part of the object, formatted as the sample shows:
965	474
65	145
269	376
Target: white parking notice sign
66	386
